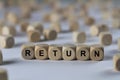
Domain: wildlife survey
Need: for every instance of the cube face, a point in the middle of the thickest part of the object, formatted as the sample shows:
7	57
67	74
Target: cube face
79	37
1	58
105	38
96	53
74	26
116	61
50	34
69	53
24	26
82	52
3	74
28	52
41	52
55	53
34	36
7	41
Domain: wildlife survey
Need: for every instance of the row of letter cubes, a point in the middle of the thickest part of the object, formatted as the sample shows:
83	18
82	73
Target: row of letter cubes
65	52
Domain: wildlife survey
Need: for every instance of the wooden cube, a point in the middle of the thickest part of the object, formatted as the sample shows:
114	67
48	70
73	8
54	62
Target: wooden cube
105	38
1	26
96	52
73	25
3	74
95	30
83	52
55	17
50	34
12	18
79	37
26	12
35	26
7	41
69	52
116	61
89	21
28	51
119	43
55	52
41	51
116	23
9	30
24	26
1	58
46	17
34	36
56	26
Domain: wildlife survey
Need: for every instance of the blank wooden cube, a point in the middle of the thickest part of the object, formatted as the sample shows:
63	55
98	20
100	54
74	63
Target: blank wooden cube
50	34
89	21
55	52
41	51
96	52
1	57
116	23
73	25
9	30
28	51
54	17
69	52
24	26
116	61
3	74
105	38
12	18
95	30
83	52
35	26
34	36
26	12
79	37
7	41
46	17
119	43
56	26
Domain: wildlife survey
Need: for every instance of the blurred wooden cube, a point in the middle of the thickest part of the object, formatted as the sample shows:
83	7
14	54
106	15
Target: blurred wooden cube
50	34
79	37
56	26
34	36
3	74
1	57
116	61
7	41
9	30
73	25
41	51
105	38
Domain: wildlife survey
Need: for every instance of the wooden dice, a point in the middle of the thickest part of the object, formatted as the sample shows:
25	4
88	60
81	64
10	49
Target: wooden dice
96	52
116	61
89	21
34	35
83	52
28	51
9	30
73	25
119	43
24	25
105	38
50	34
7	41
3	74
55	52
56	26
1	57
41	51
69	52
79	37
95	30
12	18
116	23
35	26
